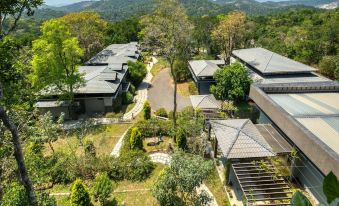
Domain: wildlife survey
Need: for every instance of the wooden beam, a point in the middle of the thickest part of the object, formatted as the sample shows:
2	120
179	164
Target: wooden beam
260	185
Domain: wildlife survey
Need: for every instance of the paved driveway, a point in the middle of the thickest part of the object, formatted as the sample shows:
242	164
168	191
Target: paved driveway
160	93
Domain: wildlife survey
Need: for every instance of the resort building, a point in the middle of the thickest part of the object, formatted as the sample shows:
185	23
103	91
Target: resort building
267	67
307	116
207	104
202	72
105	77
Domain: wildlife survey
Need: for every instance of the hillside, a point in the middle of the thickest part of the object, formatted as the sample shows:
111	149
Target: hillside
115	10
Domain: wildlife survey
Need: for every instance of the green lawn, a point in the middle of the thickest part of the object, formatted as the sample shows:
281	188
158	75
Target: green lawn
141	196
215	185
104	138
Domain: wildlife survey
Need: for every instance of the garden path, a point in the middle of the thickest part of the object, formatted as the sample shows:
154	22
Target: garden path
142	92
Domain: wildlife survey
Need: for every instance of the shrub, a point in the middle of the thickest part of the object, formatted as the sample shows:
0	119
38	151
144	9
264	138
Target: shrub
109	115
15	195
117	104
132	89
328	66
102	188
147	110
79	194
44	199
89	148
62	168
137	72
136	165
161	112
136	139
181	139
127	98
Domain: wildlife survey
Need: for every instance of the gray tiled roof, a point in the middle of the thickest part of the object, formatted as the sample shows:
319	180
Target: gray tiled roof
116	53
205	68
239	138
101	79
268	62
204	102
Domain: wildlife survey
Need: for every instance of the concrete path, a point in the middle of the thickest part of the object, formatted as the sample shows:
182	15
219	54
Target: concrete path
164	158
116	150
142	92
160	93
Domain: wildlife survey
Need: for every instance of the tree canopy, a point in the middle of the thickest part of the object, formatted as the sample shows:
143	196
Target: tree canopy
232	82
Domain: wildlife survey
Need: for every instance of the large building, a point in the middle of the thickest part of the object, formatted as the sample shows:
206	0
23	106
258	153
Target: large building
105	78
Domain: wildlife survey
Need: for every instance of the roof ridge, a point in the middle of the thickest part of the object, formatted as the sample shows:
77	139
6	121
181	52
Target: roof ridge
203	67
269	60
236	137
204	96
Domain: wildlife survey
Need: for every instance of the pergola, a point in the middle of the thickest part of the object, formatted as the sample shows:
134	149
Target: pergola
241	143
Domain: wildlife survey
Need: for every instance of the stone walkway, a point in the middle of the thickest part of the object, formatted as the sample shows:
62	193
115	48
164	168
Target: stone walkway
142	93
164	158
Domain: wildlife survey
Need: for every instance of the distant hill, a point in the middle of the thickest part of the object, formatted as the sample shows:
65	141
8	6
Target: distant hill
115	10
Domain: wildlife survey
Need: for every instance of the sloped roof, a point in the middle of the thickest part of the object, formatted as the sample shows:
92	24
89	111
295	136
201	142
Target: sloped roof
101	79
116	54
204	102
268	62
204	68
239	138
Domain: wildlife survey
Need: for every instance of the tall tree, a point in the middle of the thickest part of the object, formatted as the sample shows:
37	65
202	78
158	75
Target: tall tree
229	32
14	9
56	56
168	32
90	30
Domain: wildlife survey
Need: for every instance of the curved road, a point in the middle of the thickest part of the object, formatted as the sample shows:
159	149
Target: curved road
160	93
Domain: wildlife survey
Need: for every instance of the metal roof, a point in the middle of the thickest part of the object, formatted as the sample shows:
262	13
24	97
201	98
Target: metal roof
49	104
101	79
268	62
317	112
204	102
116	54
239	138
205	68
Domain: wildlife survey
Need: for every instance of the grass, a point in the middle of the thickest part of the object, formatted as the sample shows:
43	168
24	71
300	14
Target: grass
162	146
160	65
142	196
104	138
187	88
216	187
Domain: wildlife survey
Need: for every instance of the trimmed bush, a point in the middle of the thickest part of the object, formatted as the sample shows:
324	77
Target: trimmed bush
137	72
161	113
79	194
102	188
136	139
147	110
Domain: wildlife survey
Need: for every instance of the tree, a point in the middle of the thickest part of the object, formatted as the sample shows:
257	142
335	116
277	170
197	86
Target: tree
15	195
147	110
229	32
232	82
102	188
137	72
14	9
331	187
168	32
178	183
79	194
89	29
136	139
49	130
181	139
329	65
56	55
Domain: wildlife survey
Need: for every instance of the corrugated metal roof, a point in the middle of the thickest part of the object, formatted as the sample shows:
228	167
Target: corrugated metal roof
205	68
204	102
239	138
268	62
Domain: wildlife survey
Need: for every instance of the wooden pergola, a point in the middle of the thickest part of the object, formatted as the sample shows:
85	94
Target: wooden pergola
262	185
